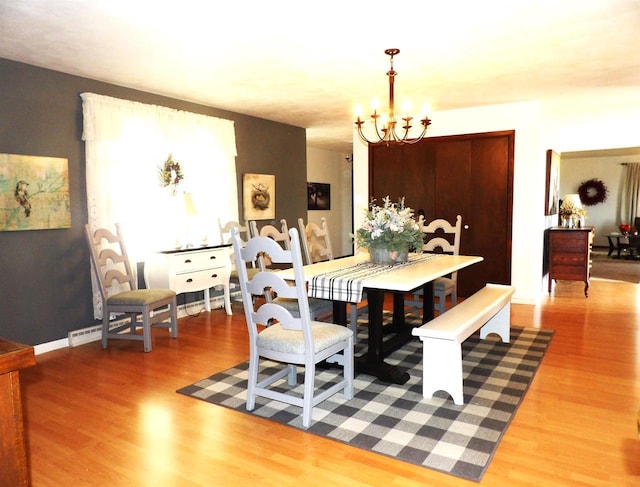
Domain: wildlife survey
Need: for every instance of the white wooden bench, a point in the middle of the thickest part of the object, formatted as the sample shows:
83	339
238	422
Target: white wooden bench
488	310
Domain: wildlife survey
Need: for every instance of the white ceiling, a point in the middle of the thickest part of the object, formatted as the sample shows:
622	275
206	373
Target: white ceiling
308	64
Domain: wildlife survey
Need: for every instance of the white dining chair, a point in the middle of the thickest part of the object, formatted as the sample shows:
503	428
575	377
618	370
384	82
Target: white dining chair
276	334
441	237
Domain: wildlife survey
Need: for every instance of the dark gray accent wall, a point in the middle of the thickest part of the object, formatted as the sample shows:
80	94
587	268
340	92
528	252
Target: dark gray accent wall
45	286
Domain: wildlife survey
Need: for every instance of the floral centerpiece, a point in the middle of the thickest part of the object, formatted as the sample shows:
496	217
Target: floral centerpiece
571	213
171	174
389	232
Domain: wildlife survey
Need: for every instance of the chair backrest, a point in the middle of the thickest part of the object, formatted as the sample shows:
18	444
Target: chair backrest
258	314
225	236
110	261
316	244
281	236
225	231
440	236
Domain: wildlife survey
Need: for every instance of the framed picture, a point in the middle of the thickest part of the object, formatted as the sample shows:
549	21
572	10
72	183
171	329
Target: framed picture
259	196
34	193
552	195
318	196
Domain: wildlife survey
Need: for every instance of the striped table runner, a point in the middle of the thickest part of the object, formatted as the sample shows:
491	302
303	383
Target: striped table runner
347	284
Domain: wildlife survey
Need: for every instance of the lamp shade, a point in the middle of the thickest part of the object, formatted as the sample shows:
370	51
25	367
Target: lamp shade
573	198
189	207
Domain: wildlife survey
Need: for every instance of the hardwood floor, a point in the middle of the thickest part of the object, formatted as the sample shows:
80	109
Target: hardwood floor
112	417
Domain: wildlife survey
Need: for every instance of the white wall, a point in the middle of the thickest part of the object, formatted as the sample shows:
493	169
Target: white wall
330	167
604	119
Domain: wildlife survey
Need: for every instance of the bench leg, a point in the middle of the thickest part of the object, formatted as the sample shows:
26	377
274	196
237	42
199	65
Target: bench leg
442	368
499	324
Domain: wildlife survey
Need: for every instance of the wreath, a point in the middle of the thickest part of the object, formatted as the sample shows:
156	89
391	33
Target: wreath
170	174
592	192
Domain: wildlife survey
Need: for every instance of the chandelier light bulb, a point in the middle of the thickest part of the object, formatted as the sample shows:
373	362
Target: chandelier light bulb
406	107
385	125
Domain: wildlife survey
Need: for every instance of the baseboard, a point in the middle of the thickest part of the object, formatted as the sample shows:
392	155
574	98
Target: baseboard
51	346
93	333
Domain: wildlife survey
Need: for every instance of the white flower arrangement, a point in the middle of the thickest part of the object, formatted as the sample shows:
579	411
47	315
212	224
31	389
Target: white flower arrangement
390	226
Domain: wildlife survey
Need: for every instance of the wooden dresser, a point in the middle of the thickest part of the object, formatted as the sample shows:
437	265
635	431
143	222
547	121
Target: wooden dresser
569	254
13	458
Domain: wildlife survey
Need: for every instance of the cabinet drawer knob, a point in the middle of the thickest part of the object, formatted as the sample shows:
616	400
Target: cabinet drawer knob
187	261
212	257
189	280
214	275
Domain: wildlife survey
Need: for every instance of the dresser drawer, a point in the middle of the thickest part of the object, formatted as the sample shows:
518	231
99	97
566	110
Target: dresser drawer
194	261
569	259
199	280
569	243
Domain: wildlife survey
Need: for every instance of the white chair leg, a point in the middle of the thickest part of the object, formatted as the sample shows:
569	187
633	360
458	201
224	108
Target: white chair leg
174	319
348	370
307	400
292	376
105	328
146	330
252	380
353	321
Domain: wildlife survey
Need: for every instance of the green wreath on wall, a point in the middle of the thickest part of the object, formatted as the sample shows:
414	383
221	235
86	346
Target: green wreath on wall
592	192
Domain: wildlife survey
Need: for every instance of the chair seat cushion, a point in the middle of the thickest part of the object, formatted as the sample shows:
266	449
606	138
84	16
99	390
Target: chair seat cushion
278	339
443	284
251	273
140	297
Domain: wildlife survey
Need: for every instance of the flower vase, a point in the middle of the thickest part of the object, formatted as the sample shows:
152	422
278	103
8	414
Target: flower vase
385	256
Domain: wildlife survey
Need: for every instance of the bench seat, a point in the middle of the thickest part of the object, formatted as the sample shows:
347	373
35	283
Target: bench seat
488	310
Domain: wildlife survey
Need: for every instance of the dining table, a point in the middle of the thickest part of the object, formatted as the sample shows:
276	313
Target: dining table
349	279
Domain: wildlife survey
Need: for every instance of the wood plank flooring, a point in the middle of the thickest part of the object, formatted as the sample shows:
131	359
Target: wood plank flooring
112	417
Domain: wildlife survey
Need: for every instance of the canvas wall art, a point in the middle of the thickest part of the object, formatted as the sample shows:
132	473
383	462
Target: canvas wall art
34	192
259	196
318	196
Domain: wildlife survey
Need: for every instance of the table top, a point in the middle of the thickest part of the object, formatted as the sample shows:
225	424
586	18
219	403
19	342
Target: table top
14	356
401	278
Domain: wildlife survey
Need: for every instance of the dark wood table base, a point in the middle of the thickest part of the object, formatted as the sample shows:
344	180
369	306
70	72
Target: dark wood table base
372	361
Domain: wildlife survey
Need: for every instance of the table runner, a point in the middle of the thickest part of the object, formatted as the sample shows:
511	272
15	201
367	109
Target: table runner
346	284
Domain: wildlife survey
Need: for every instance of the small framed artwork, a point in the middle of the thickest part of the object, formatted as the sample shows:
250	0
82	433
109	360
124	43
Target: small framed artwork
318	196
34	193
259	196
552	195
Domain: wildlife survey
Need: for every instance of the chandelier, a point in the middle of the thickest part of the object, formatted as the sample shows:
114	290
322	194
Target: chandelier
387	127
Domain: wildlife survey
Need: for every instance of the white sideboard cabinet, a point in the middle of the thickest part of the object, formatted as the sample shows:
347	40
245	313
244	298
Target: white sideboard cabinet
190	270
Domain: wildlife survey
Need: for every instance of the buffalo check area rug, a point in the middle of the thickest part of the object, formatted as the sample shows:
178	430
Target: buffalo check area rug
395	420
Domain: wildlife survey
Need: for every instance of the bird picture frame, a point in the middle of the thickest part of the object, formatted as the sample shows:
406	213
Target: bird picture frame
34	192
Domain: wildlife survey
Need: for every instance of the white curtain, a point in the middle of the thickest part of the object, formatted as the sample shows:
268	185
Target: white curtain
127	143
630	195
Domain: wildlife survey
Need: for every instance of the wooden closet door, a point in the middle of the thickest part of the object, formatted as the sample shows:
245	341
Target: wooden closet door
402	171
470	175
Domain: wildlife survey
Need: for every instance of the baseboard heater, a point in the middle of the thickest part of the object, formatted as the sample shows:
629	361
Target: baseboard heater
94	333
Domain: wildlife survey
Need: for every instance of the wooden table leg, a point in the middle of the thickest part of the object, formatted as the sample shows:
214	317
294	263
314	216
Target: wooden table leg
427	302
372	362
